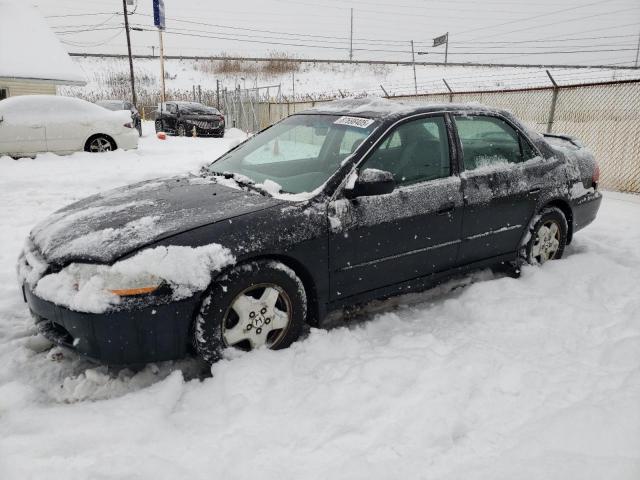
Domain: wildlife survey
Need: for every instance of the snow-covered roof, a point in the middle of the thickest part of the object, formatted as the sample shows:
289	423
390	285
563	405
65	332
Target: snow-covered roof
30	50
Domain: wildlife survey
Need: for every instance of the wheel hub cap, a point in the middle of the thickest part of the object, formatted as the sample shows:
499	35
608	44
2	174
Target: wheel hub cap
257	320
547	242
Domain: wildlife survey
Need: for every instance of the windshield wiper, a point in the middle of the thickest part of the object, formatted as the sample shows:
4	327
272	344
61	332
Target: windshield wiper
239	179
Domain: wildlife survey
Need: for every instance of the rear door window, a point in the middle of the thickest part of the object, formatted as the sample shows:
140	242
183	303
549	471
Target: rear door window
490	141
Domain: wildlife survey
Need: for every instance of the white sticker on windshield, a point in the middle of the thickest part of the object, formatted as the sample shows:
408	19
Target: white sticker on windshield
354	121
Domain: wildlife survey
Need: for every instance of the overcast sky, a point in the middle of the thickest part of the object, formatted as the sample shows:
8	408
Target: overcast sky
512	31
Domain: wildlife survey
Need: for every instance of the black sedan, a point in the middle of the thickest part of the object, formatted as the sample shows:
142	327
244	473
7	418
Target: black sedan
189	119
332	207
116	105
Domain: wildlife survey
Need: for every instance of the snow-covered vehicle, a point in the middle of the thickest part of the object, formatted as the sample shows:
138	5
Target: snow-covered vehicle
32	124
332	207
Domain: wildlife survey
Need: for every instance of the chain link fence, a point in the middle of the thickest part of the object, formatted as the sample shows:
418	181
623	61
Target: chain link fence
605	116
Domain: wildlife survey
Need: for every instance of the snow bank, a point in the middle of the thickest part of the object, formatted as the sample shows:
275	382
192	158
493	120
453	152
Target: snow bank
86	288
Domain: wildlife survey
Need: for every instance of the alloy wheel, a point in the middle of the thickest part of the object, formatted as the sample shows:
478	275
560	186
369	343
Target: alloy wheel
258	316
100	144
547	242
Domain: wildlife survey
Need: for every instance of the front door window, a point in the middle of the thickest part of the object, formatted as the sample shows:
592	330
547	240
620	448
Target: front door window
416	151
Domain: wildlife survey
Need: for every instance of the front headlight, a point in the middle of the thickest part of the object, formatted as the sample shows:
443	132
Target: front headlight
95	288
113	280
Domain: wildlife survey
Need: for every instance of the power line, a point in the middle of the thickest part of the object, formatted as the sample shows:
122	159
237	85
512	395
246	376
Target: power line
200	35
562	22
546	14
81	15
93	44
71	32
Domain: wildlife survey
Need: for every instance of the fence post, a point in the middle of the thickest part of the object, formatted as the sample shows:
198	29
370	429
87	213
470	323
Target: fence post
554	100
450	91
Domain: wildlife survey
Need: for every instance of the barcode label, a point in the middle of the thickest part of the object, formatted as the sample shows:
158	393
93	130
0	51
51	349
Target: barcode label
354	121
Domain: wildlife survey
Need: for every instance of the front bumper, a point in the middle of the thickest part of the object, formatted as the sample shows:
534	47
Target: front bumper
205	132
138	334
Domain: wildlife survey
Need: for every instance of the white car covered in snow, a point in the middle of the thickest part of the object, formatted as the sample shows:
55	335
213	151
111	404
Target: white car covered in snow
32	124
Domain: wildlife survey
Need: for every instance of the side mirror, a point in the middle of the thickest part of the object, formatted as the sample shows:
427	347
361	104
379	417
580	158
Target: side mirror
370	182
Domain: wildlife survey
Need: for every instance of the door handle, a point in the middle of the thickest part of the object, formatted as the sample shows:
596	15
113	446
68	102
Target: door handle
446	209
534	191
36	126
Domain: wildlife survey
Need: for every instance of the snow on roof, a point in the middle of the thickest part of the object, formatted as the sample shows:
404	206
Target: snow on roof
30	49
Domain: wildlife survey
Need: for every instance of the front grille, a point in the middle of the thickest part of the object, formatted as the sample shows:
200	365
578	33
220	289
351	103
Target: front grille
205	125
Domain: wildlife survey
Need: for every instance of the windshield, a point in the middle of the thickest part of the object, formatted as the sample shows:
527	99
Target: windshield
197	108
300	153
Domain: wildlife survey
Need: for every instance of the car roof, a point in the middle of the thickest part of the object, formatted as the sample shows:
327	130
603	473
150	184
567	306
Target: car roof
379	108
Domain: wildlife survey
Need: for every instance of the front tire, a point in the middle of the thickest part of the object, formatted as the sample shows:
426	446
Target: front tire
257	304
548	237
182	131
159	126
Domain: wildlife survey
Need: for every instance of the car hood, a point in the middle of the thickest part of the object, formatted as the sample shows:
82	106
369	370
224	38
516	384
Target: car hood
107	226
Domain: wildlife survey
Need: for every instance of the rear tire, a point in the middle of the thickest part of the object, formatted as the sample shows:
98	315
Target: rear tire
100	143
548	237
256	304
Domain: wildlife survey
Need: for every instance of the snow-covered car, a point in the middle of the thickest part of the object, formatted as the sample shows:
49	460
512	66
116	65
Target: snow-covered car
185	119
117	105
332	207
32	124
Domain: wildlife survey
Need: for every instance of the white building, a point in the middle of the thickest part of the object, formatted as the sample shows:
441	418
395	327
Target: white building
32	59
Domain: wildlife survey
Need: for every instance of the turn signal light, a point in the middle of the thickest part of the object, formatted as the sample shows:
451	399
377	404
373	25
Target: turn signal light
128	292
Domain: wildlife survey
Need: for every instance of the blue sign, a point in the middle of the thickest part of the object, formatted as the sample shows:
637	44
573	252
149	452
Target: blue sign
158	14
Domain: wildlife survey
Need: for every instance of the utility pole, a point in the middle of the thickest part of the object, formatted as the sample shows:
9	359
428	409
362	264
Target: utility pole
351	38
162	91
637	52
218	94
126	27
446	49
413	60
293	82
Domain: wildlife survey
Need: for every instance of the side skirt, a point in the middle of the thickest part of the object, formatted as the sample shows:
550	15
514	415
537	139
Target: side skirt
410	286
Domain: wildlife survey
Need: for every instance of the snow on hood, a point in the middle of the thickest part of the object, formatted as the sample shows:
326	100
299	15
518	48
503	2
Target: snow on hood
105	227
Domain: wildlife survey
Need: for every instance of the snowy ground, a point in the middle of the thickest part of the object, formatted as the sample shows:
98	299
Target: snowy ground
487	377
